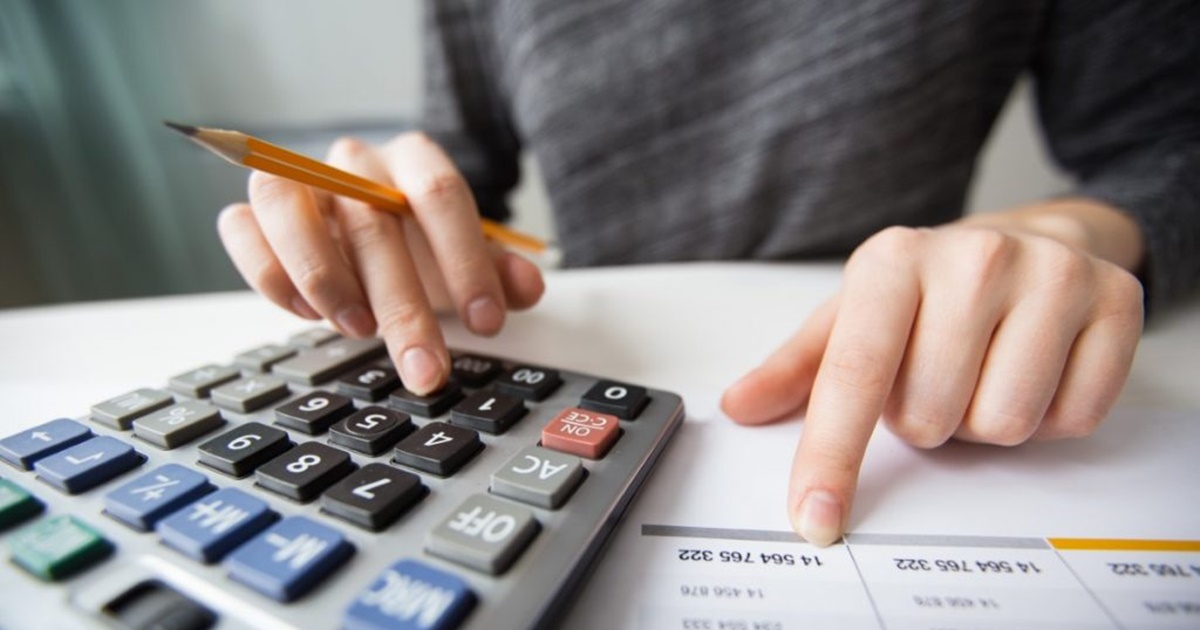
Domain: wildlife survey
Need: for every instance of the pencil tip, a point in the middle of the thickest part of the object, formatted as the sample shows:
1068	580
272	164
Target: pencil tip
184	129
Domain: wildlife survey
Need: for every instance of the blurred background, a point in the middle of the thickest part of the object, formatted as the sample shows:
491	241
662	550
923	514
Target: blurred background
98	200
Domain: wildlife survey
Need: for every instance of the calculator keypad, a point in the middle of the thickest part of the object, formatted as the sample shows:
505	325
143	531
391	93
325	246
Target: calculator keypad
452	500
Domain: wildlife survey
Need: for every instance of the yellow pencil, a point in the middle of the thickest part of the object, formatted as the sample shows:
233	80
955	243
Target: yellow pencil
250	152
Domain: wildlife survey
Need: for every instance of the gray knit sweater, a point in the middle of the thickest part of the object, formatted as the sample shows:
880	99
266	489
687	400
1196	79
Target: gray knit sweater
788	129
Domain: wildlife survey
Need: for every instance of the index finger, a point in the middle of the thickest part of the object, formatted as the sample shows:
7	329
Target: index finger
866	345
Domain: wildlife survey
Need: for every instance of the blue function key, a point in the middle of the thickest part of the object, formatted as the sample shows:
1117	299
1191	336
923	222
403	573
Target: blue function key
148	499
290	558
25	448
210	528
88	464
411	595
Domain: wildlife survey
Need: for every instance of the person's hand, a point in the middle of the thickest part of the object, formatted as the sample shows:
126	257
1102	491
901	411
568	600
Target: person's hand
367	271
998	329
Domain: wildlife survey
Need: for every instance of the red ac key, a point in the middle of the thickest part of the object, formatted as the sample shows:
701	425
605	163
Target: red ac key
581	432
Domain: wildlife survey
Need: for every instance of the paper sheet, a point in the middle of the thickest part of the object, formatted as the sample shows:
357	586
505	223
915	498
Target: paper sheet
1093	533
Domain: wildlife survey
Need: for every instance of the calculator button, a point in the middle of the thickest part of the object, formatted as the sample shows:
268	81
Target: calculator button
312	338
212	526
438	448
303	472
473	370
25	448
88	464
16	505
250	393
411	595
148	499
488	411
239	451
430	406
621	400
322	363
368	383
121	411
484	533
313	413
199	382
374	496
539	477
290	558
58	547
581	432
371	430
529	382
179	424
262	358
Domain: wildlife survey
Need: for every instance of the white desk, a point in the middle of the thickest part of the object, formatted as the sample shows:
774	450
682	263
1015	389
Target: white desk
694	329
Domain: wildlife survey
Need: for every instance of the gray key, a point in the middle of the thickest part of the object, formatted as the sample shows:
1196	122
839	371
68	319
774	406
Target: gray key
178	424
312	338
121	411
323	363
250	393
262	358
199	382
484	533
539	477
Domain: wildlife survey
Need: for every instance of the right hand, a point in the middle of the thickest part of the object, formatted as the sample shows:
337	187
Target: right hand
373	272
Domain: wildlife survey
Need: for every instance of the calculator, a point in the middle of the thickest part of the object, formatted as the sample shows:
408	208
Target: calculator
302	486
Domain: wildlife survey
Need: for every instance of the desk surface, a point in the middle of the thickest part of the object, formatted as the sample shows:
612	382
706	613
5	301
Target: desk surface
693	329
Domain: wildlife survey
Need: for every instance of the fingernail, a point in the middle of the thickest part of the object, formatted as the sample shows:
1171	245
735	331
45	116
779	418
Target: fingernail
484	316
419	370
356	320
302	308
819	519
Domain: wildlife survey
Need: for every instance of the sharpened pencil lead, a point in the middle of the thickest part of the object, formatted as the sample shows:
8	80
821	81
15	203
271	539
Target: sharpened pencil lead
184	129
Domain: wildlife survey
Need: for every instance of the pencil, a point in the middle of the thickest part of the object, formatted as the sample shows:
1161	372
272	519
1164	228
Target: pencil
250	152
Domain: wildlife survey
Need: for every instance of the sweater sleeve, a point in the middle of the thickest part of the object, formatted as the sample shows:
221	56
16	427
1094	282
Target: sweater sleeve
463	109
1118	86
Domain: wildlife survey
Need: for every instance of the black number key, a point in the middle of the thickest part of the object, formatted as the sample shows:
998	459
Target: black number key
371	430
488	411
438	448
373	497
314	412
369	383
429	406
303	472
240	451
621	400
529	382
473	370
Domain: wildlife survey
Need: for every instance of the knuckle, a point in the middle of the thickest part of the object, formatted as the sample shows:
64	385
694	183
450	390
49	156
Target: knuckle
888	246
268	278
346	149
857	369
1125	298
266	189
921	429
369	229
403	320
314	278
988	254
1005	427
1064	268
1076	423
435	186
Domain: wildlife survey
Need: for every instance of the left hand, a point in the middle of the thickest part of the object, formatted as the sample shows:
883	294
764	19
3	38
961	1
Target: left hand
996	329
